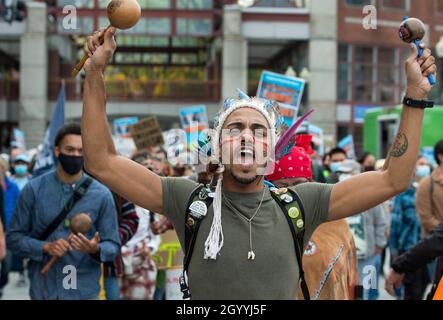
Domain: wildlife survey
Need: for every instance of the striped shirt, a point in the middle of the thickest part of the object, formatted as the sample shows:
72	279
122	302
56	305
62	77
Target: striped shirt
128	224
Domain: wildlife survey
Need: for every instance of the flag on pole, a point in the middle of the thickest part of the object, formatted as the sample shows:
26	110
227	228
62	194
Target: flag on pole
46	160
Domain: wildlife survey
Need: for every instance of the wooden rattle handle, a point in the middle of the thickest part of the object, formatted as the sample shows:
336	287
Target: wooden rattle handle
82	62
49	265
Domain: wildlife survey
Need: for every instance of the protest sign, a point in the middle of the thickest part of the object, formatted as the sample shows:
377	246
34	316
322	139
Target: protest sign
146	133
121	126
286	90
193	120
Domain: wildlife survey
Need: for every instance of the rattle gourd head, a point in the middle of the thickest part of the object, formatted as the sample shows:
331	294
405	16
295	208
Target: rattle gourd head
412	29
81	223
123	14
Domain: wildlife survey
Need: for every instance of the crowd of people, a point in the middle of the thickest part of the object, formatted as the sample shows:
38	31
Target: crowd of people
117	257
90	227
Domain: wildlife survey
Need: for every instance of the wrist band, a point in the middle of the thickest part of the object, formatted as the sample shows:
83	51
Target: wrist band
421	104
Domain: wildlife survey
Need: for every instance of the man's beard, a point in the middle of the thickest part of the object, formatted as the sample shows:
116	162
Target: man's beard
244	181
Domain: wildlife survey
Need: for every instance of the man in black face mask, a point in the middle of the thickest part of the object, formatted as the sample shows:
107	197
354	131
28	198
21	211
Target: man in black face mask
41	225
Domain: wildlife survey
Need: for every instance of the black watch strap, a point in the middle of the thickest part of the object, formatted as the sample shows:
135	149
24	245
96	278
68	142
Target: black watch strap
422	104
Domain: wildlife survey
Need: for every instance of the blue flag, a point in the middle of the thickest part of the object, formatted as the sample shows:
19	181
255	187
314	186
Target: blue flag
46	161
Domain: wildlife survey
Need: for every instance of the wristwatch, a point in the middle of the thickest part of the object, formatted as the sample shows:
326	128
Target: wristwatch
421	104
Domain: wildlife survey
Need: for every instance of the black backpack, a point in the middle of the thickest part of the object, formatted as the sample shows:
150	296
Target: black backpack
291	206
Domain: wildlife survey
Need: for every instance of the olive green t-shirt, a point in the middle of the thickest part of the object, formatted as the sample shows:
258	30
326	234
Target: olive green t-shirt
274	274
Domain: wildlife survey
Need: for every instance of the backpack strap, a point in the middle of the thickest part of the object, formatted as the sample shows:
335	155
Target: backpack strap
196	209
294	212
78	194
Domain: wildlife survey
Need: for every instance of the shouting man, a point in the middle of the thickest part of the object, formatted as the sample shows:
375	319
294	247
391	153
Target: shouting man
244	248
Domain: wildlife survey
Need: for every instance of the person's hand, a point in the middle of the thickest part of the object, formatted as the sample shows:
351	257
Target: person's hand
378	251
99	54
159	227
57	248
145	252
417	72
393	281
80	243
2	248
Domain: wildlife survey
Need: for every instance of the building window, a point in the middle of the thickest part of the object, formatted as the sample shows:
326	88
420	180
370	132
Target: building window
364	74
369	75
195	4
144	4
84	25
200	27
387	71
152	26
395	4
358	3
76	3
278	4
438	5
344	73
342	131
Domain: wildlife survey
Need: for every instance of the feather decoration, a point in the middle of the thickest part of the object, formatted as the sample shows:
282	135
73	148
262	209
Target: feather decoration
285	139
242	95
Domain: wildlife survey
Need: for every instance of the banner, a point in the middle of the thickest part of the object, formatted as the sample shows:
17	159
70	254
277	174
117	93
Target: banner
121	126
286	90
347	144
45	160
146	133
193	120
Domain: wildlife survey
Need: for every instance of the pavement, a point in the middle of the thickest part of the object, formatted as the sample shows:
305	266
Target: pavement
12	292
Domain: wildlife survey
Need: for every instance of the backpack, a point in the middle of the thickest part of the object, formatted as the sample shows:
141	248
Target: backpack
289	203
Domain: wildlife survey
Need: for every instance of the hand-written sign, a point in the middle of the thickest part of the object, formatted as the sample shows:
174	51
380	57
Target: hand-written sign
146	133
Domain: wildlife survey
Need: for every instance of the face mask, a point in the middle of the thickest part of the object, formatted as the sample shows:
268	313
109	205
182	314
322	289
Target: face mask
344	176
423	171
335	166
21	169
71	164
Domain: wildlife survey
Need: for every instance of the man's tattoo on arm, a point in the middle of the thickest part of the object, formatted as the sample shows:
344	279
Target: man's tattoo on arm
400	145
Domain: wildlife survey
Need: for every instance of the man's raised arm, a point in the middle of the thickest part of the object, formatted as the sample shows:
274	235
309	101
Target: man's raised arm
367	190
123	176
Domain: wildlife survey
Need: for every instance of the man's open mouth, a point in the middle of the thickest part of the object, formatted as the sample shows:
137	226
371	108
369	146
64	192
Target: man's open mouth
246	156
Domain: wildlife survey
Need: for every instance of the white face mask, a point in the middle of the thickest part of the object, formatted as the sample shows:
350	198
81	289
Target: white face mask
344	176
423	171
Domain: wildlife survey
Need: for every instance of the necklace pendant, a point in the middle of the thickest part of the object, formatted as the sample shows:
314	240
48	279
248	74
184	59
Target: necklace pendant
251	255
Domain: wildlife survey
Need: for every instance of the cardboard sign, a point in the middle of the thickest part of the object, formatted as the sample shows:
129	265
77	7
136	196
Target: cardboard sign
146	133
